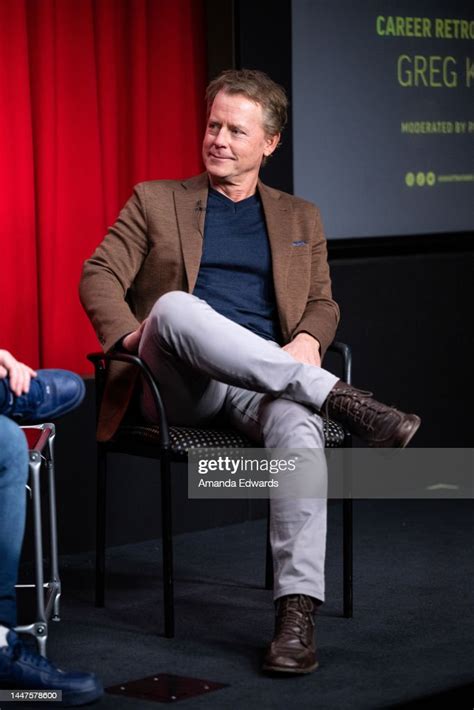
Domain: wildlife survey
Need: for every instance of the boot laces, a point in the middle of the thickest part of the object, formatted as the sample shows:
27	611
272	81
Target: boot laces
359	405
293	617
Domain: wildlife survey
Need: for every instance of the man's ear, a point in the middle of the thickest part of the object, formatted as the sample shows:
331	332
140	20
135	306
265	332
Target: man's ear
271	143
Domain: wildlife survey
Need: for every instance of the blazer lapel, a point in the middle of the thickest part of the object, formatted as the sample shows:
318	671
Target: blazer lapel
278	215
190	204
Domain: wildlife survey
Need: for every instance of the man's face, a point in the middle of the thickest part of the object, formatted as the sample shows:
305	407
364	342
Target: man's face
235	141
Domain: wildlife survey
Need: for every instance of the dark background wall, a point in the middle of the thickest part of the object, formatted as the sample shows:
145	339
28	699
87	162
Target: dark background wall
406	312
405	301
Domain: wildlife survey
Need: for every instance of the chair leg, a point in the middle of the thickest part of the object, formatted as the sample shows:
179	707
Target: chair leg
41	625
101	525
268	556
53	527
167	542
347	529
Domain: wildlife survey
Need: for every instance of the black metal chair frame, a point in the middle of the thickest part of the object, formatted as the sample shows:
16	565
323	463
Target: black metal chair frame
166	456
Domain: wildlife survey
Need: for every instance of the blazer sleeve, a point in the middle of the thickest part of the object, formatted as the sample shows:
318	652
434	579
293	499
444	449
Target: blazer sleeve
110	271
321	315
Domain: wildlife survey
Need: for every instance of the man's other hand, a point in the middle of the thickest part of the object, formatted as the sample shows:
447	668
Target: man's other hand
18	373
132	340
305	348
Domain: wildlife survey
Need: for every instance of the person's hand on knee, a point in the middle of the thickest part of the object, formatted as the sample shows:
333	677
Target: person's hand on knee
18	373
132	340
305	349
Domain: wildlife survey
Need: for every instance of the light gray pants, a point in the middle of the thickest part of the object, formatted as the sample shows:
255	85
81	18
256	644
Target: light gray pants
206	365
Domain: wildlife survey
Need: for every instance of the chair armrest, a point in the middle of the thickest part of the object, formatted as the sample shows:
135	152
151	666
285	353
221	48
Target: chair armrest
99	361
346	355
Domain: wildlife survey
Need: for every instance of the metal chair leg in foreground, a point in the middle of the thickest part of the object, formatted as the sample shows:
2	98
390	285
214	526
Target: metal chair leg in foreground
47	594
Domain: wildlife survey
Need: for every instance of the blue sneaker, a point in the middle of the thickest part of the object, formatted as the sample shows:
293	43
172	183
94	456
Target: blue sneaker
52	393
21	669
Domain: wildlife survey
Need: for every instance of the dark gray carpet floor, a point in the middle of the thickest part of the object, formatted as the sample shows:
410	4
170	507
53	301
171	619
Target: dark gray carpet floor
410	643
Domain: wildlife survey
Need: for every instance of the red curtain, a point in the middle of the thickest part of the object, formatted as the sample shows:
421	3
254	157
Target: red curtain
95	96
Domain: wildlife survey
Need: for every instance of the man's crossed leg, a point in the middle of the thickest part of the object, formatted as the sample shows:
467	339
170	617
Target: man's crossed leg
207	365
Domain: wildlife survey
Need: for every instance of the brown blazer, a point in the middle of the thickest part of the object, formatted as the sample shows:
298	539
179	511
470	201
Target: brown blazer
155	246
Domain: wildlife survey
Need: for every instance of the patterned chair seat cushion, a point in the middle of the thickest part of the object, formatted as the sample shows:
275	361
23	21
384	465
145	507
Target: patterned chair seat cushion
185	438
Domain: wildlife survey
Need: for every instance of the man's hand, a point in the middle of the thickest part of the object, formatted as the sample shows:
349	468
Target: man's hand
305	348
19	374
132	340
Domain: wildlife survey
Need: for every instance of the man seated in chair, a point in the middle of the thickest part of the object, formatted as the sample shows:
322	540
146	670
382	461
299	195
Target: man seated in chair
29	397
221	284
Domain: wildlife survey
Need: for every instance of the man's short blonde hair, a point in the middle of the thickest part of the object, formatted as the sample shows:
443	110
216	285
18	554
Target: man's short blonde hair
258	87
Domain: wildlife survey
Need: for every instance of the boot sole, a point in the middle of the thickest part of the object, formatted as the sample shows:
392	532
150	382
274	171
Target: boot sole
290	671
415	425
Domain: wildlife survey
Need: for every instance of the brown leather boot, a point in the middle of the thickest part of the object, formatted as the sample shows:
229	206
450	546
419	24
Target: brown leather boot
292	649
378	424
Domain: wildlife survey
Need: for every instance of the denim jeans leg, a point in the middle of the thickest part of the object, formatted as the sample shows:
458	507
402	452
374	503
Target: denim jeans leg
13	477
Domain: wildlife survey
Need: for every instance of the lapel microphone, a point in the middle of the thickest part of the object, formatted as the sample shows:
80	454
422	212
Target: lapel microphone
198	210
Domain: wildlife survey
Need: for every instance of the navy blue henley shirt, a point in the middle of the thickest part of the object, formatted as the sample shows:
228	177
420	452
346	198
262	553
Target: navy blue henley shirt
235	276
